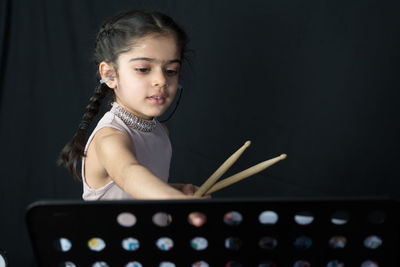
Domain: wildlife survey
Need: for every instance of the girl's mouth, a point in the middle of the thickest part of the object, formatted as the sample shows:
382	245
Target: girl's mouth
157	99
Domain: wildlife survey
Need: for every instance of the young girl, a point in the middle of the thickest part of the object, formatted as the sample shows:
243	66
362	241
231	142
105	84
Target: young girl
139	56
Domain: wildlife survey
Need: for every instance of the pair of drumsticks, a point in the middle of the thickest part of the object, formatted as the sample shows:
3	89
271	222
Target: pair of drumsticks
210	185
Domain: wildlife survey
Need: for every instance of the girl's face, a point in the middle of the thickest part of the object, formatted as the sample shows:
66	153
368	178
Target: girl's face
148	75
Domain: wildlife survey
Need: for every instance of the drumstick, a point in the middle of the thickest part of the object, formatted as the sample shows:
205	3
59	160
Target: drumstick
244	174
221	170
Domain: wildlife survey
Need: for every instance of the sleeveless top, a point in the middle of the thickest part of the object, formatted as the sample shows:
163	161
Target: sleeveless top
152	150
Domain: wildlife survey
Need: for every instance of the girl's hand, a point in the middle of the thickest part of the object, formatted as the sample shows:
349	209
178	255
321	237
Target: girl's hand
188	189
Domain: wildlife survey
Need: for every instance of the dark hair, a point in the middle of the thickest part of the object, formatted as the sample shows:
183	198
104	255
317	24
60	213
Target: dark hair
116	36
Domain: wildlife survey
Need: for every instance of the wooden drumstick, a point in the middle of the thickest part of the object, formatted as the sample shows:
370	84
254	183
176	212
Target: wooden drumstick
244	174
221	170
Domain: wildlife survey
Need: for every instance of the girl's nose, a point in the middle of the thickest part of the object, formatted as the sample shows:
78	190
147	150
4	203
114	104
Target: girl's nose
159	79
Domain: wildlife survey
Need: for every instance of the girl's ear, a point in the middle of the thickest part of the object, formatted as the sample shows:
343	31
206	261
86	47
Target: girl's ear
107	74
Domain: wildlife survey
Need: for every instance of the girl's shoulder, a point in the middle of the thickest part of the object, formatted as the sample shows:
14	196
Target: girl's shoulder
110	120
108	125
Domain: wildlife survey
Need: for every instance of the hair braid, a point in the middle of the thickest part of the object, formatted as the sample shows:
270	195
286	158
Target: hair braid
74	150
92	109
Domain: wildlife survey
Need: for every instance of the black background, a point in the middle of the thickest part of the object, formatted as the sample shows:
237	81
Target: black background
317	80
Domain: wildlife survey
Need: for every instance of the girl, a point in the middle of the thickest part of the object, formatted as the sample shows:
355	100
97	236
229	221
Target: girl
139	56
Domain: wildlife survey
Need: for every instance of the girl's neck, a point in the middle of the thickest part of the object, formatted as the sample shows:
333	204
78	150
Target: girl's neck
140	116
132	120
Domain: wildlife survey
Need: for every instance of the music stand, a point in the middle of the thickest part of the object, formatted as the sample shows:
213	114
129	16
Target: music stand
237	232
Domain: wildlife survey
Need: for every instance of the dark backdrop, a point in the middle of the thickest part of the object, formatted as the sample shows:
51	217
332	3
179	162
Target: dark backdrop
317	80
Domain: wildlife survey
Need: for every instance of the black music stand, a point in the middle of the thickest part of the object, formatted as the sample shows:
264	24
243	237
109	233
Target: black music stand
237	232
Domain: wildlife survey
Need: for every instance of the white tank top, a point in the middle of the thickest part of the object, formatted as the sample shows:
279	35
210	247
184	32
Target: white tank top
152	150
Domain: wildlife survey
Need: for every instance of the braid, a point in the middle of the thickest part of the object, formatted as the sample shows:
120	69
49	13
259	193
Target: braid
74	150
92	109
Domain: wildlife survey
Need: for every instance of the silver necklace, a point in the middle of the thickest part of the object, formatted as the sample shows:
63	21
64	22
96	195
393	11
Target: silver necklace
133	121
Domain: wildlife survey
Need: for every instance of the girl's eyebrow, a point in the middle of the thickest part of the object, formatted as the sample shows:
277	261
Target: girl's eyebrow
153	59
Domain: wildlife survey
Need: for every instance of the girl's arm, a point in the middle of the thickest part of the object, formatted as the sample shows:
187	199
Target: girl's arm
114	150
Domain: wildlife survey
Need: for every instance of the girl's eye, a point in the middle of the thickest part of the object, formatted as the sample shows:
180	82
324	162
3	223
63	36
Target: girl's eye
142	70
171	72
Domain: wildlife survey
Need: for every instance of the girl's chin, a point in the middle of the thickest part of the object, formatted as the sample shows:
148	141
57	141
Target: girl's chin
152	115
